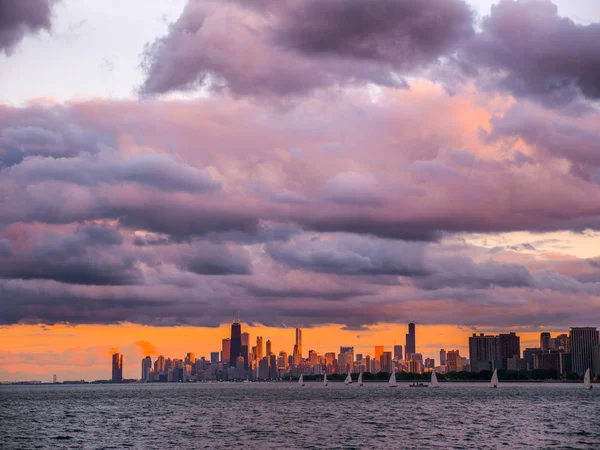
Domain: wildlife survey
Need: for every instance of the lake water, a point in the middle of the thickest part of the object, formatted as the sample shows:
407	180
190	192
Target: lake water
285	416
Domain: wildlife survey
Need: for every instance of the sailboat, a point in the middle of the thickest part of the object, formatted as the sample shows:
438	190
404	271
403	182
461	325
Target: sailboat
348	379
325	379
301	380
360	383
586	380
434	380
392	381
494	382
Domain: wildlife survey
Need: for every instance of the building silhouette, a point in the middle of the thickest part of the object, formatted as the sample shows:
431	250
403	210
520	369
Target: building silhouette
226	350
484	352
545	342
454	361
509	345
259	348
411	345
442	357
269	351
385	362
397	352
214	357
235	344
583	341
146	368
117	368
245	348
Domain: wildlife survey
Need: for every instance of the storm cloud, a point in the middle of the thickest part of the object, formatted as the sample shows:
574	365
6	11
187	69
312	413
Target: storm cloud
19	18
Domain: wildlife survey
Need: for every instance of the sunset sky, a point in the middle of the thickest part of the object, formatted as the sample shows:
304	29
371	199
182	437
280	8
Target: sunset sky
345	166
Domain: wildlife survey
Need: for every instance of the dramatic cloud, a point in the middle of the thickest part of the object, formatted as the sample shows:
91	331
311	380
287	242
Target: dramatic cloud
281	48
19	18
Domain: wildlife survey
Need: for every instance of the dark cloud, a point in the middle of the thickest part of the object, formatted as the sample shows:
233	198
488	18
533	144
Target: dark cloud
285	48
528	50
89	256
21	17
210	259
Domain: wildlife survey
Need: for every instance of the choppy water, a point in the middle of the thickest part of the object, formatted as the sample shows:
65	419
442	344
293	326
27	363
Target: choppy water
284	415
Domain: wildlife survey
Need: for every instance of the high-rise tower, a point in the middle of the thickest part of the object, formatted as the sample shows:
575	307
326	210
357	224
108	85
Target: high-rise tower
259	348
117	368
411	345
235	343
299	341
583	341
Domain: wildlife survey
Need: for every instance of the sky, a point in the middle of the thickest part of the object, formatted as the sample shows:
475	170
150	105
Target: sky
345	166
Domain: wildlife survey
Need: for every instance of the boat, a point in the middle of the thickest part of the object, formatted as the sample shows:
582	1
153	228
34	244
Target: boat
434	380
587	383
417	385
393	382
301	380
325	379
348	379
360	383
494	382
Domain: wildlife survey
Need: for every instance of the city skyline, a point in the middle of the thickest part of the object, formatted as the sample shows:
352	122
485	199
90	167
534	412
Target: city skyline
394	171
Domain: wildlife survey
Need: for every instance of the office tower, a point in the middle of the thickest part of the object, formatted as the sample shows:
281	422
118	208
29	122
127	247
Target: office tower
214	357
545	342
146	368
282	361
529	357
484	352
269	352
313	357
161	364
235	344
368	364
259	348
226	350
359	357
547	361
378	352
442	357
263	368
397	352
509	345
411	344
454	361
190	357
562	343
117	368
583	341
298	346
348	350
273	366
385	362
415	366
429	363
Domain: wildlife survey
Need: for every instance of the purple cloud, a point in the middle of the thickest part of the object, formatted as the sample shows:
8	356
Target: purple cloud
19	18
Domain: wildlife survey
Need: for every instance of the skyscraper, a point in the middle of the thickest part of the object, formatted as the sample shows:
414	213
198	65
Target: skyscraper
385	361
214	357
298	347
146	368
397	352
117	368
269	352
245	348
411	344
226	350
509	345
235	344
484	352
442	357
454	361
545	342
378	352
259	348
583	341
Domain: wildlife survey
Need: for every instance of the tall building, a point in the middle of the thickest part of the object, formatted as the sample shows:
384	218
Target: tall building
190	358
378	352
442	357
298	346
385	360
454	361
146	368
545	342
562	343
509	345
583	341
397	352
214	357
226	350
484	352
411	344
259	348
269	351
235	344
529	355
117	368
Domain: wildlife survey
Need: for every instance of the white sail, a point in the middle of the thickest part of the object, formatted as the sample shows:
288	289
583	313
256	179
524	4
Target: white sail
434	381
325	379
494	382
586	380
348	379
392	381
301	380
360	383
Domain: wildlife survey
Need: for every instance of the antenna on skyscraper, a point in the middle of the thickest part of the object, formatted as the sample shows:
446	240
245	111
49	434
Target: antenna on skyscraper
238	316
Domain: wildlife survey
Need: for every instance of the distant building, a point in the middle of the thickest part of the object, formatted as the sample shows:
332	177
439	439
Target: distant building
411	342
562	343
415	366
54	379
385	361
235	343
146	368
263	369
484	352
269	351
214	357
545	339
509	346
515	363
117	368
547	361
259	348
454	361
442	357
226	350
397	352
273	372
596	360
298	347
529	356
429	363
583	340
